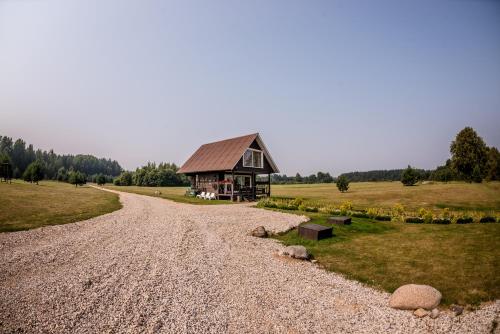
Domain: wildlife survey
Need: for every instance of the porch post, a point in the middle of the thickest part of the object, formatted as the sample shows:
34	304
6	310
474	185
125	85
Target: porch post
269	185
232	187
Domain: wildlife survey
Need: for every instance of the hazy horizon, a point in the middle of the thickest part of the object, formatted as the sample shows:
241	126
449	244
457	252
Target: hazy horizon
334	86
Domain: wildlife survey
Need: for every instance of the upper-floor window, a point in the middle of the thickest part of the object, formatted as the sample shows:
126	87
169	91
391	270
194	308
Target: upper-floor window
253	158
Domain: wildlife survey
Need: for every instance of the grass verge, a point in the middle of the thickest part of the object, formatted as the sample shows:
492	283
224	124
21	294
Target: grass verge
172	193
461	261
25	206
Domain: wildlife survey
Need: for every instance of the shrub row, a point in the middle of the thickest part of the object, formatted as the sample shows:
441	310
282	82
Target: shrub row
424	216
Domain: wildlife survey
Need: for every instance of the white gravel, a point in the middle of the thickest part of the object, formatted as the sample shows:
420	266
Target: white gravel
161	267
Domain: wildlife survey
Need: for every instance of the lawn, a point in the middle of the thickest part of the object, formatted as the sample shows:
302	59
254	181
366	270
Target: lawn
457	196
172	193
25	206
462	261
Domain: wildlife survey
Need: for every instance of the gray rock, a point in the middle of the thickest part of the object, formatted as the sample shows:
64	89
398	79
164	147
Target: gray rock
421	313
297	252
457	309
259	232
414	296
434	313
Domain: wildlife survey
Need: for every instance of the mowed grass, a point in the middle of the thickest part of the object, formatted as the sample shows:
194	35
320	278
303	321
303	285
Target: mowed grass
25	206
172	193
461	261
458	196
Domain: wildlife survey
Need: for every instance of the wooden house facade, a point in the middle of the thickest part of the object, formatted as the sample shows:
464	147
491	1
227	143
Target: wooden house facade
236	168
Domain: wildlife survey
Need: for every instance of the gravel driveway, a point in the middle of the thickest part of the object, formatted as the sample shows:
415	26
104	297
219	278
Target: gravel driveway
159	266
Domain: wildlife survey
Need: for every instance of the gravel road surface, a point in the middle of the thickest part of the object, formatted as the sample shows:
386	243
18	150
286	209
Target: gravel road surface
157	266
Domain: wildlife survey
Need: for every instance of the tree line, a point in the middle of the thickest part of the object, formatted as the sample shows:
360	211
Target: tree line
33	165
152	175
471	161
319	177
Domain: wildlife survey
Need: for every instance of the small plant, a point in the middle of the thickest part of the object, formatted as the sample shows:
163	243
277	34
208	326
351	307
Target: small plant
426	215
414	220
345	207
373	212
398	212
297	201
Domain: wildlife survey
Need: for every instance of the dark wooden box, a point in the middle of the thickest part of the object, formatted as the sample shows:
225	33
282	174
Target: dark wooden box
315	231
339	220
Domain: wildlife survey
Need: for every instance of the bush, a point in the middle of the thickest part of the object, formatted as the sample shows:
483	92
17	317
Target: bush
342	183
465	220
414	220
383	218
488	219
34	172
441	221
77	178
409	176
100	180
307	208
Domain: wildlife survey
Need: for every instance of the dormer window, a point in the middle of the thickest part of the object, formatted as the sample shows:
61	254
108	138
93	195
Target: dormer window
253	158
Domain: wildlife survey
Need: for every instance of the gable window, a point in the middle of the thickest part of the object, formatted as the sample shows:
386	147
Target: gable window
253	158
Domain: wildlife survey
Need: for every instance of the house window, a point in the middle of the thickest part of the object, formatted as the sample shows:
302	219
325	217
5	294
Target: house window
253	158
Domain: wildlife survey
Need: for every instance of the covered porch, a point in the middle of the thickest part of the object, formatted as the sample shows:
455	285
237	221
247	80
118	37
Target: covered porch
234	186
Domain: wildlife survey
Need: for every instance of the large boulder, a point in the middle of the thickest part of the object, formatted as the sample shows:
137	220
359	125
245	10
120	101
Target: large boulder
297	252
414	296
259	232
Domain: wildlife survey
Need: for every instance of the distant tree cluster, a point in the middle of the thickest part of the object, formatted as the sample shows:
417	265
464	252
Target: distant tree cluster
319	177
383	175
471	161
52	166
152	175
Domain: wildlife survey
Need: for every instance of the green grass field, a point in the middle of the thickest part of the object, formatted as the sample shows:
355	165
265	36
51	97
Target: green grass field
457	196
173	193
25	206
462	261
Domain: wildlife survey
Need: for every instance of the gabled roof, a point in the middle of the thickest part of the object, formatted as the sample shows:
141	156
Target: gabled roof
223	155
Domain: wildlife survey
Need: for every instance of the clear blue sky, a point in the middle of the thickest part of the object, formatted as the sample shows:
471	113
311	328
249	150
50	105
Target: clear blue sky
334	86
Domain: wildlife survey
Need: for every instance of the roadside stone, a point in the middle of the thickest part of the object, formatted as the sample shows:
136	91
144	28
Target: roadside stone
457	309
297	252
414	296
259	232
434	313
421	313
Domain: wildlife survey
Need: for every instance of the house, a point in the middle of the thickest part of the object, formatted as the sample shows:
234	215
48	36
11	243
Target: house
236	169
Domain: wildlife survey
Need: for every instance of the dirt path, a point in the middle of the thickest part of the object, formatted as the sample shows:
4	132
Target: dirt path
162	267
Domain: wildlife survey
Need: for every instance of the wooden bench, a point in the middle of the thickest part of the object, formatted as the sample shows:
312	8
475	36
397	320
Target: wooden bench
315	231
339	220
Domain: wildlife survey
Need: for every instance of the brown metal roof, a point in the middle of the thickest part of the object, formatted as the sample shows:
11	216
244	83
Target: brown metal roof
221	155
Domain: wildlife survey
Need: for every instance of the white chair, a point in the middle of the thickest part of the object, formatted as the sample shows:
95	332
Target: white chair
211	196
202	195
